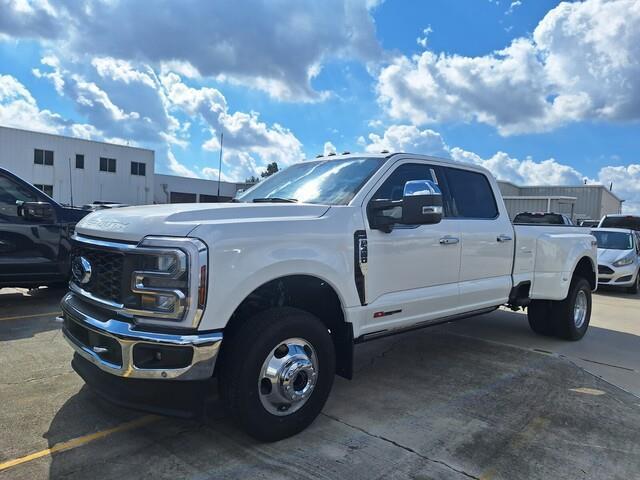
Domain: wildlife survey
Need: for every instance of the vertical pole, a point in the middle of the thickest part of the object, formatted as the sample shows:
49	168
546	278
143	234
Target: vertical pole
70	182
220	166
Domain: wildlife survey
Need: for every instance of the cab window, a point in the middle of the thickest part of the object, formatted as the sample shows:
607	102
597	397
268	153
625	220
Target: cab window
471	195
393	186
10	193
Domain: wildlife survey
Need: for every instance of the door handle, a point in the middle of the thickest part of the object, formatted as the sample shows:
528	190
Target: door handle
504	238
449	240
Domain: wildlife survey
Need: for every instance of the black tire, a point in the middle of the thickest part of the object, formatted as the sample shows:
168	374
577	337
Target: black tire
242	359
563	311
635	288
539	313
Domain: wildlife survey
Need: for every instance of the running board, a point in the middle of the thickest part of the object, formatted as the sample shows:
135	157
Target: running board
429	323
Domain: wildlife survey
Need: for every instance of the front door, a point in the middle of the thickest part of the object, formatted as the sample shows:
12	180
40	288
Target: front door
412	272
28	249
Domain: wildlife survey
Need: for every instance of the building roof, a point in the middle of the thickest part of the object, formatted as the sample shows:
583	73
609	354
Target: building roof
581	185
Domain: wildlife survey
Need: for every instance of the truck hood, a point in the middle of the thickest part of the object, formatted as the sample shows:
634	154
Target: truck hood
607	255
134	223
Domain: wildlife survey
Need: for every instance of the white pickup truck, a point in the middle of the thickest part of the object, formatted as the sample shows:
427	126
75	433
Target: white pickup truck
265	298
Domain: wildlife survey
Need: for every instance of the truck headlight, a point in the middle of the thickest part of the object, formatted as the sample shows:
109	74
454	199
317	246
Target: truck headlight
169	280
626	260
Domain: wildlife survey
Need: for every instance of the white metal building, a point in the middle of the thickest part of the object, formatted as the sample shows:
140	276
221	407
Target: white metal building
60	165
173	189
589	201
99	171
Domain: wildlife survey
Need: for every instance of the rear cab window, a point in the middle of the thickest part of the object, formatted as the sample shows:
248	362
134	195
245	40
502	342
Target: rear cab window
540	218
469	195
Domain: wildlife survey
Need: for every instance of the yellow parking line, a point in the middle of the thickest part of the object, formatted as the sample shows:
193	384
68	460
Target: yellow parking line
78	442
18	317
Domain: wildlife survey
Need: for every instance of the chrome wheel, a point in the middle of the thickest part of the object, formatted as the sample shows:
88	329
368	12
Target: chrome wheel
580	309
288	376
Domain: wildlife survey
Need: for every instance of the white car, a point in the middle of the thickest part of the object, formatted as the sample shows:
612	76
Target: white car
618	257
268	296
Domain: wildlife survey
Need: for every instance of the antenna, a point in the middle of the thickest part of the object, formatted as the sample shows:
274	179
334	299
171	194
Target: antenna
220	165
70	182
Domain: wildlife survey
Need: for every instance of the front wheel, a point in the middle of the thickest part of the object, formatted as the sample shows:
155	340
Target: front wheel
276	372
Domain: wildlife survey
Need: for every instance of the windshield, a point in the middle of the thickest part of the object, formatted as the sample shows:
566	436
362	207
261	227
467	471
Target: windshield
543	218
614	240
327	182
628	221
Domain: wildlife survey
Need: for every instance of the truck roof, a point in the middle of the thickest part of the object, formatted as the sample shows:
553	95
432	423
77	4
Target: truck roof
389	155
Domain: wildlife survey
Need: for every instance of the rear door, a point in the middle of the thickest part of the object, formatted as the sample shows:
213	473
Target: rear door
28	249
487	239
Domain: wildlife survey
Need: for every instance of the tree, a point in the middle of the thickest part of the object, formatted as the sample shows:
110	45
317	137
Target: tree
271	169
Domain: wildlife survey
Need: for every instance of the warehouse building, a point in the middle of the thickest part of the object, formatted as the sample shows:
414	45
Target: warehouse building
174	189
75	171
578	202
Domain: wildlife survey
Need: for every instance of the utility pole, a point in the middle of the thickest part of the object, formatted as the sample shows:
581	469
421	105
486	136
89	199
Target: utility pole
70	182
220	165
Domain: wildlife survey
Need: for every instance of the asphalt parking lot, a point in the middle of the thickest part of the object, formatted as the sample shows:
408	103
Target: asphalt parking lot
481	398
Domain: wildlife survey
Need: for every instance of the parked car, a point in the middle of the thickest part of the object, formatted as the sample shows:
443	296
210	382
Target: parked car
618	257
35	233
544	218
620	221
269	295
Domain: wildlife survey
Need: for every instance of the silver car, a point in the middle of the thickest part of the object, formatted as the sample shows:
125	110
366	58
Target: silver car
618	257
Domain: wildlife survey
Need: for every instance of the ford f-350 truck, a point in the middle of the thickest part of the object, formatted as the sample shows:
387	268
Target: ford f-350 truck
264	299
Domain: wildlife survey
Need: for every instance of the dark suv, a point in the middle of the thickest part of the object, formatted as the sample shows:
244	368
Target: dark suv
34	235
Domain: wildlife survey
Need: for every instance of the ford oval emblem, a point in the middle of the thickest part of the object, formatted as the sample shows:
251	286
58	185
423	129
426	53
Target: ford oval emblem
81	270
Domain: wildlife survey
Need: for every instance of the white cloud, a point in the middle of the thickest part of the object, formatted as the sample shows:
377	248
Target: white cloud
580	64
328	148
178	168
512	6
278	48
626	184
408	138
422	41
522	172
19	109
212	174
127	100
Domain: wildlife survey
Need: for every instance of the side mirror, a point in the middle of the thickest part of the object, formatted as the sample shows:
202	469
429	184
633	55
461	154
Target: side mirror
37	211
421	203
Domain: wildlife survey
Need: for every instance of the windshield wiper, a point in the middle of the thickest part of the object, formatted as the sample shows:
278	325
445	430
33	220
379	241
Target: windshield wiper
274	200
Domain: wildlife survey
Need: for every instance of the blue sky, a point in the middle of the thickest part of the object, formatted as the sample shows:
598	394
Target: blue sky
539	92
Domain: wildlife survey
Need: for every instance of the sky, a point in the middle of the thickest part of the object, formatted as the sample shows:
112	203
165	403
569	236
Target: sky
540	92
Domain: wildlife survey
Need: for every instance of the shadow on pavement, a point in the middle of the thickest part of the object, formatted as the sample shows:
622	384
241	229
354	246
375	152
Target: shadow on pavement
426	404
18	307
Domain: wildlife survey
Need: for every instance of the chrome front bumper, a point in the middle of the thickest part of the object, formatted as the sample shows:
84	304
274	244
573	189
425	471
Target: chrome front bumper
119	348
